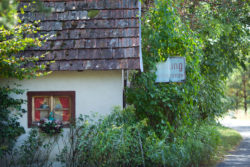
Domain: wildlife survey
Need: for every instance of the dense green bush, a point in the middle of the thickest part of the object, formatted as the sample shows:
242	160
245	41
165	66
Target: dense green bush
190	146
164	35
119	139
35	150
113	140
212	36
223	28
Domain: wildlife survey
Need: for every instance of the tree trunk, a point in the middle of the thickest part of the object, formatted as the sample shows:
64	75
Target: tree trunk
237	100
244	92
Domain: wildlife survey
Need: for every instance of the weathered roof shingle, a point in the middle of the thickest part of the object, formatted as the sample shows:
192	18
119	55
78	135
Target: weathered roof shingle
89	34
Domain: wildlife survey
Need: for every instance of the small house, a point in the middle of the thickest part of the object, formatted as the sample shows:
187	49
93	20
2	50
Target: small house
94	45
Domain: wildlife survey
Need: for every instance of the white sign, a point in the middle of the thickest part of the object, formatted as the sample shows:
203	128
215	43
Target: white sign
173	70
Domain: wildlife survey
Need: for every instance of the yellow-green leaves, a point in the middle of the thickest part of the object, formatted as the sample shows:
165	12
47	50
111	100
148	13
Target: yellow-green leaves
21	10
12	42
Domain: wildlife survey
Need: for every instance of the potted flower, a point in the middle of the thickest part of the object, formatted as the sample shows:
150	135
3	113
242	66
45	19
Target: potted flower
50	126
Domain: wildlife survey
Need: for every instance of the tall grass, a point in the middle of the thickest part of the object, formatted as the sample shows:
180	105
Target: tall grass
119	139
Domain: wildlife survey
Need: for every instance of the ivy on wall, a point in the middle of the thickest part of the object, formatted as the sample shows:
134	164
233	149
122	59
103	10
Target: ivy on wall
13	40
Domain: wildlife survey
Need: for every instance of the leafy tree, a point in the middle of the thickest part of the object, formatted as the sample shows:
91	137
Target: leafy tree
164	35
212	35
245	82
238	88
223	28
7	13
234	90
13	40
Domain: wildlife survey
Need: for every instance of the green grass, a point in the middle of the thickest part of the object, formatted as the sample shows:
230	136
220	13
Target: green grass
230	139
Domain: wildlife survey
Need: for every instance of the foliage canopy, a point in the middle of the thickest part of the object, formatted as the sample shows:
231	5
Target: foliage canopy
212	35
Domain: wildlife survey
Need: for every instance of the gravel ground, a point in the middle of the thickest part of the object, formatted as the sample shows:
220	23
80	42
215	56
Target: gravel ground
241	156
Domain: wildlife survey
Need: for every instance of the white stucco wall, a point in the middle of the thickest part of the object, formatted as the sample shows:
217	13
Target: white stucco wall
96	91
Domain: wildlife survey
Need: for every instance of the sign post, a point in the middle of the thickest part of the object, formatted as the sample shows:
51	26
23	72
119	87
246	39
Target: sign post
173	70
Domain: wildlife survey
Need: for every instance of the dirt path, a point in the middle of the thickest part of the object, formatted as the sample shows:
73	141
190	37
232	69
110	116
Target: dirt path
241	156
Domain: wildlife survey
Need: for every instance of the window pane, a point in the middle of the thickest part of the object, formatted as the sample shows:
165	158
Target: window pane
66	115
42	102
59	115
53	105
61	102
41	107
64	104
44	114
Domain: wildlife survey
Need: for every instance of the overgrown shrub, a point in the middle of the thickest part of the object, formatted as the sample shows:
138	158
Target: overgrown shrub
212	36
190	146
119	139
165	35
34	151
114	140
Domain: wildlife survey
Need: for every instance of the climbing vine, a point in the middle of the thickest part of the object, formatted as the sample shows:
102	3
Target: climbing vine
15	38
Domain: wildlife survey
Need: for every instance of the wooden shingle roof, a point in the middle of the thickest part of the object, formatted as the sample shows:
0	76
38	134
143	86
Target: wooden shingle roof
90	34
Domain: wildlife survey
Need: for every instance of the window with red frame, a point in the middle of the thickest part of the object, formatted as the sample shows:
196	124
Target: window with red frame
60	105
